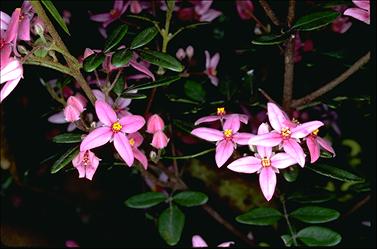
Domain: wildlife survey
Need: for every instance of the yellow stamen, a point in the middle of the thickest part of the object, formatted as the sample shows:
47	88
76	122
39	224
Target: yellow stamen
266	162
220	111
295	121
116	127
315	132
132	142
228	134
286	133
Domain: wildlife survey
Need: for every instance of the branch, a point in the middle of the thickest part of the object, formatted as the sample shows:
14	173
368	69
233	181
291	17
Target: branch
269	12
266	95
291	12
330	85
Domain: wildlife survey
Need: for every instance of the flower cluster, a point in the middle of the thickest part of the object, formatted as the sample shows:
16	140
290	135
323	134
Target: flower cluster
275	149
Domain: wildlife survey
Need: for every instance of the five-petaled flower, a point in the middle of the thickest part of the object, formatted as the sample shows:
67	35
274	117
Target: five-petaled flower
266	163
226	139
211	65
113	129
314	144
86	164
286	133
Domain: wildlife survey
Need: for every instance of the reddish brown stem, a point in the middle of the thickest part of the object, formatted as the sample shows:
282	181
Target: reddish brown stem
269	12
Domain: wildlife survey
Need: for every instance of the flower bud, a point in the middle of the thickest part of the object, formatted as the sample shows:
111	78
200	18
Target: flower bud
160	140
155	123
71	114
180	54
189	52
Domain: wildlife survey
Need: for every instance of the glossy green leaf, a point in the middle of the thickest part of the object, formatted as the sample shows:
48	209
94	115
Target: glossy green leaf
260	216
145	200
128	95
287	239
319	236
144	37
115	37
313	196
190	198
315	20
55	14
65	159
313	215
121	57
336	173
119	86
361	187
194	90
271	39
67	138
162	82
161	59
170	225
291	174
92	62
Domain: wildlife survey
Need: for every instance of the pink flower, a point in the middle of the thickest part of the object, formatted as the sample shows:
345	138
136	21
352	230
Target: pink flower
119	8
75	106
341	24
314	144
9	31
10	74
26	15
220	115
86	164
181	54
67	16
362	12
265	163
71	244
136	139
159	140
198	241
113	129
201	11
120	105
211	65
286	133
155	126
245	9
226	139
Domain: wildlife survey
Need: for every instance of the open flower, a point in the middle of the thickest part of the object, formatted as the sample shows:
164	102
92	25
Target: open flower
265	163
118	9
120	105
136	139
286	133
11	74
113	129
314	144
226	139
220	115
198	241
211	65
362	12
86	164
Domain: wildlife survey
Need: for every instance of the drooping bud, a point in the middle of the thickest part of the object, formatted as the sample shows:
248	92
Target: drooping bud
160	140
155	123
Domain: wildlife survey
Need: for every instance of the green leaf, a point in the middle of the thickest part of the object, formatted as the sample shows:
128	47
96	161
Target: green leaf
162	82
170	225
190	198
336	173
115	37
313	196
361	187
133	95
161	59
119	86
55	14
315	20
319	236
194	90
271	39
145	200
260	216
92	62
291	174
313	215
121	57
67	138
144	37
287	239
42	51
65	159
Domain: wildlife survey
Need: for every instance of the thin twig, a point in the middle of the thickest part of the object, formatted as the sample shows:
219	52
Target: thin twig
286	216
330	85
266	95
357	206
269	12
291	12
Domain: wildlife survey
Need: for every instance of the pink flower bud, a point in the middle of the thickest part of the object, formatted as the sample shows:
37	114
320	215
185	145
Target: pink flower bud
160	140
155	124
180	54
71	113
77	102
245	9
189	51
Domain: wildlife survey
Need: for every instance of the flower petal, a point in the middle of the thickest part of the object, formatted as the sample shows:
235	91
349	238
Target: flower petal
294	150
122	145
276	116
269	139
267	182
282	160
326	145
140	67
92	166
78	165
208	134
362	4
140	156
215	60
96	138
206	119
105	113
358	14
224	150
242	138
132	123
305	129
232	123
137	137
159	140
214	80
313	147
8	88
226	244
247	164
57	118
210	15
198	241
11	71
208	59
101	17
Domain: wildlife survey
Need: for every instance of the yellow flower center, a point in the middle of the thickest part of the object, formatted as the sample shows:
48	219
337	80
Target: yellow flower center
228	134
116	127
266	162
315	133
220	111
286	133
132	142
